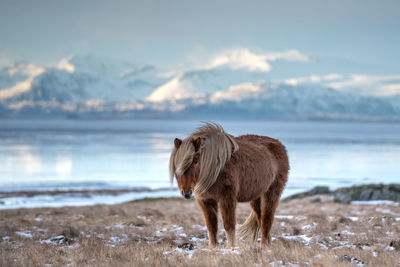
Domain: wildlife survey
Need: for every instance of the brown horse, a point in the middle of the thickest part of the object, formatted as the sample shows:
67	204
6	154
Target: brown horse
222	170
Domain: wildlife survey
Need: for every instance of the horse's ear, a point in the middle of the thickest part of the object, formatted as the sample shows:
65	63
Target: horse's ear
196	143
177	142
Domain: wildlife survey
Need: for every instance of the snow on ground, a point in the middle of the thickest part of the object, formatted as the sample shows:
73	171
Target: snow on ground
24	234
336	228
375	202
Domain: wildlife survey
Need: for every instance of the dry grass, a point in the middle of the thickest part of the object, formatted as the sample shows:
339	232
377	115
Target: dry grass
171	233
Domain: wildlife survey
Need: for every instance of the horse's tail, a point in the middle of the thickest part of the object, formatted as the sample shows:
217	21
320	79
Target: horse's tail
250	228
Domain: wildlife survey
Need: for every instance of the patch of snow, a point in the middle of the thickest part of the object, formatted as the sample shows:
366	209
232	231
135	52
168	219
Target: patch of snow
309	226
115	226
189	253
24	234
389	248
196	239
352	218
365	247
38	219
143	218
289	217
225	251
347	232
176	228
323	246
384	211
175	89
242	58
279	263
117	239
375	202
151	240
30	70
304	239
201	227
58	240
64	64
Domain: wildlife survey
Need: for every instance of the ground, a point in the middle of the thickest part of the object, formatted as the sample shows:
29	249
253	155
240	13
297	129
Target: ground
312	231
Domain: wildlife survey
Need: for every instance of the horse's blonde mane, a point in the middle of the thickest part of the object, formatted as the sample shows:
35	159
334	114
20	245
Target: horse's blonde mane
215	150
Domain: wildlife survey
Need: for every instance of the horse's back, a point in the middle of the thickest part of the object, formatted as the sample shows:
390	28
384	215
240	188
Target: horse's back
270	145
259	160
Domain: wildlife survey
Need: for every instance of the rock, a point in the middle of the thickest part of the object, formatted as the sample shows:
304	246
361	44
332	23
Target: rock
318	190
342	197
359	192
395	244
368	192
347	258
394	187
186	246
316	200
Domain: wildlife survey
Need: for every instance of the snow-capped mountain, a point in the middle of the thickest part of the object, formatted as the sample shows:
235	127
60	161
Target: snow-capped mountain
78	78
235	83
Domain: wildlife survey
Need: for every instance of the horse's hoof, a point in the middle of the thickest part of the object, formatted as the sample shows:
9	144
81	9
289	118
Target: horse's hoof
212	246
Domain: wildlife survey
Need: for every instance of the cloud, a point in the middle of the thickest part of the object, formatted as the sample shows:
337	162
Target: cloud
374	85
5	60
242	58
237	58
290	55
379	85
313	79
236	92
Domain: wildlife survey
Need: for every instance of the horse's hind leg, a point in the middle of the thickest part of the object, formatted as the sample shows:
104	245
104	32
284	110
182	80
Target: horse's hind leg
269	203
210	212
256	207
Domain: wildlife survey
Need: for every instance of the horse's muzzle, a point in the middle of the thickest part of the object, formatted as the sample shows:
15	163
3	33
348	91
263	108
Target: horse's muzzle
187	196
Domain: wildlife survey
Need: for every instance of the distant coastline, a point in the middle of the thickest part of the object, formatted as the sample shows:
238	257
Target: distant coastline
60	198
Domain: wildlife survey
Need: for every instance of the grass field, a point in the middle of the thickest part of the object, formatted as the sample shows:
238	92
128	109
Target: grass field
171	232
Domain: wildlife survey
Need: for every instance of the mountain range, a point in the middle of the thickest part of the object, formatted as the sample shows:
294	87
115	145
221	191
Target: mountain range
238	83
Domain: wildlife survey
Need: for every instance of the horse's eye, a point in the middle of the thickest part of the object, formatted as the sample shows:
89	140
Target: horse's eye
195	161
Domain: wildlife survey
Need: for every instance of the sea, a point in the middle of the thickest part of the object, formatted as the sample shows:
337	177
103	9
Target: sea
73	154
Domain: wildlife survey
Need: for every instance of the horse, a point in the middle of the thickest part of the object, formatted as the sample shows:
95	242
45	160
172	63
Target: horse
221	170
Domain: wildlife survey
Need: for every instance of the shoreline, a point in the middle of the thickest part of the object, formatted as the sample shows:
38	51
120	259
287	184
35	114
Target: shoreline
73	197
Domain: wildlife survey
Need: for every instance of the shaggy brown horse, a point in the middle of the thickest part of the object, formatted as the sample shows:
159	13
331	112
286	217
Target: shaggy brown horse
222	170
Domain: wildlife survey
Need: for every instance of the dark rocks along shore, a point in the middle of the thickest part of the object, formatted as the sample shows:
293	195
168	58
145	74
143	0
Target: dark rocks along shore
355	193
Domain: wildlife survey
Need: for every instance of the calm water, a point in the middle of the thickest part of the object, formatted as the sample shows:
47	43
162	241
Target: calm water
49	154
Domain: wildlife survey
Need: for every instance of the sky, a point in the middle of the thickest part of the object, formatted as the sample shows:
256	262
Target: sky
173	32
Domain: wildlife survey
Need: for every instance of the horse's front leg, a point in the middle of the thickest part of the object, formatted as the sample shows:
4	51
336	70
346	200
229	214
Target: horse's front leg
210	211
228	212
